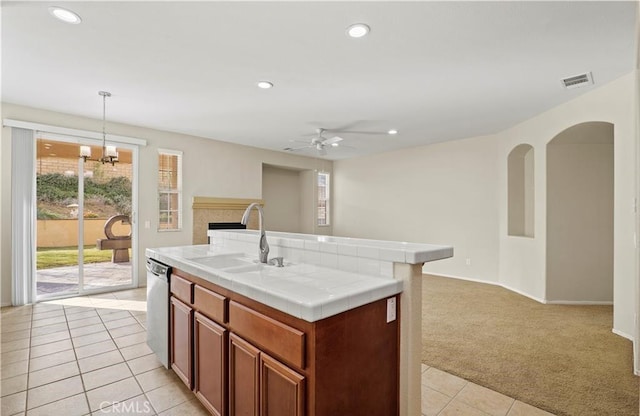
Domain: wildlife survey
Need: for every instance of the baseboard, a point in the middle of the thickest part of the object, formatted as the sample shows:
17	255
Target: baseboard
579	302
520	292
623	334
468	279
2	305
526	295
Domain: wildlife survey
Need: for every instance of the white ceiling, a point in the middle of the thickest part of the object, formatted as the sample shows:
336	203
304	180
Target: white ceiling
433	70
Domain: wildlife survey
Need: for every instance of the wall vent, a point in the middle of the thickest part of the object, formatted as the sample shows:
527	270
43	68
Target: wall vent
577	81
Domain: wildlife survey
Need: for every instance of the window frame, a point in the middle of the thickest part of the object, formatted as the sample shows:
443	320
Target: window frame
326	200
177	191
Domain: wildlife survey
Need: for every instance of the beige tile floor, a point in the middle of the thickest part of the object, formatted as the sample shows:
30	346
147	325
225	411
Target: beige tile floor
444	394
88	356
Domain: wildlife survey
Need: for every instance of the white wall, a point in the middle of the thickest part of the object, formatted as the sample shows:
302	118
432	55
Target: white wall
580	214
210	168
456	193
5	287
281	190
443	194
522	261
308	197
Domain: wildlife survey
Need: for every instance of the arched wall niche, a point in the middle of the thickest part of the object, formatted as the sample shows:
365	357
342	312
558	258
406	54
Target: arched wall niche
520	190
579	237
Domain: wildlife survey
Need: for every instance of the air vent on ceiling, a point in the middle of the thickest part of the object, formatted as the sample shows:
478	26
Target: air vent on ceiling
578	81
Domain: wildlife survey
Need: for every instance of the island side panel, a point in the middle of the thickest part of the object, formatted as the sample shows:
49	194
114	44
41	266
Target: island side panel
357	355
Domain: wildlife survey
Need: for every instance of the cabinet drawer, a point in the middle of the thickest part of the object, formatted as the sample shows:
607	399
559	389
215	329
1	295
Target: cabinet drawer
182	289
210	304
279	339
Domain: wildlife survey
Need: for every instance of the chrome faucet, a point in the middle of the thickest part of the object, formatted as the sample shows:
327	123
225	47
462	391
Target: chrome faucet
263	247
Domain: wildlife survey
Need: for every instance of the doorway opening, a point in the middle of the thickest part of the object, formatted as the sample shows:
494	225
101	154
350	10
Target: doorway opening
83	220
580	181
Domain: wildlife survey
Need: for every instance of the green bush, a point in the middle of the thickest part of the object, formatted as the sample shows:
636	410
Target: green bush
61	189
56	187
45	214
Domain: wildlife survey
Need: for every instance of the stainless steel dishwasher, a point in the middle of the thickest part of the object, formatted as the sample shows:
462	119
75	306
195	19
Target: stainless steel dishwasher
158	276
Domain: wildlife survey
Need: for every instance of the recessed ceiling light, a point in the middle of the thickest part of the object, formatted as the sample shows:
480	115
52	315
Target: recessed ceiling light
358	30
392	131
265	84
335	144
65	15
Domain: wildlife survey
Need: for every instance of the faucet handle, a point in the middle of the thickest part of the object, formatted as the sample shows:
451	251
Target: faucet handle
277	261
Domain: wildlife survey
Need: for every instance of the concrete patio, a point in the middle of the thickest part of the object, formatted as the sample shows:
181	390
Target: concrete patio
63	280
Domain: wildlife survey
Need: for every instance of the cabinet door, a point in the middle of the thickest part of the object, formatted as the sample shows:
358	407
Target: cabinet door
210	350
244	362
181	340
282	389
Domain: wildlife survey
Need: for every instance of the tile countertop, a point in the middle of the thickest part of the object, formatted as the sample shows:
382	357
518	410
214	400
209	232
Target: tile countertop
397	251
307	291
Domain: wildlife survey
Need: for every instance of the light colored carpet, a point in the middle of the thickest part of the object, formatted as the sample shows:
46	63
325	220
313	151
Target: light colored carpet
563	359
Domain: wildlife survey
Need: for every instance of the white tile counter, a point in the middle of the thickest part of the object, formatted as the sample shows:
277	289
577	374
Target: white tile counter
323	276
307	244
305	291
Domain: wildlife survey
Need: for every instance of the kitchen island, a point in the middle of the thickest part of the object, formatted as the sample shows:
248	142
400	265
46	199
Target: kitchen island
318	336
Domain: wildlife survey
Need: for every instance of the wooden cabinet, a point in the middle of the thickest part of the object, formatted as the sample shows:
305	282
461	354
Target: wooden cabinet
244	358
181	317
261	385
244	373
199	344
282	390
210	351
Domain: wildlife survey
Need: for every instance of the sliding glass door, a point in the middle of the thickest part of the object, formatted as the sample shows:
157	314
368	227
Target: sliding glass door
84	208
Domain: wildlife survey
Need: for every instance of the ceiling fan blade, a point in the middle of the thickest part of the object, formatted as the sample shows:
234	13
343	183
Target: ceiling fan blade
295	149
332	140
364	132
346	146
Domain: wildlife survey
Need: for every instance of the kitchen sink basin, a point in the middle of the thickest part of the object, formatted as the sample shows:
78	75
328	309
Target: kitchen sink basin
235	263
223	261
247	268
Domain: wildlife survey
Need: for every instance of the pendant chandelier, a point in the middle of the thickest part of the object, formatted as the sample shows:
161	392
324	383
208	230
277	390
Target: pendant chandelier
109	153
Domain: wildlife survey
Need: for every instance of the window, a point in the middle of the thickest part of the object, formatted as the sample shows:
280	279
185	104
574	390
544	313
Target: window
324	197
169	190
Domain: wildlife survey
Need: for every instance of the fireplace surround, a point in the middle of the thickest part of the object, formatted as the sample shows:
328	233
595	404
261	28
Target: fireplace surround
219	210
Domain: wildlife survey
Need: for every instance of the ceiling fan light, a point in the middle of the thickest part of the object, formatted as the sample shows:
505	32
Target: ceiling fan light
335	144
265	85
358	30
65	15
392	131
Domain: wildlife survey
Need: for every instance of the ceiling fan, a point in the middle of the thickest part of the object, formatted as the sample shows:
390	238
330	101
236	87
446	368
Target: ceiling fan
319	142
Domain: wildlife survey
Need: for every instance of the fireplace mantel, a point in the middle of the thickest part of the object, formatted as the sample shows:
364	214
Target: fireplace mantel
210	209
205	202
